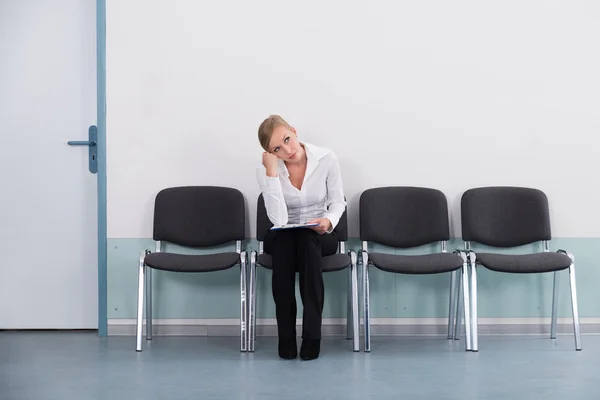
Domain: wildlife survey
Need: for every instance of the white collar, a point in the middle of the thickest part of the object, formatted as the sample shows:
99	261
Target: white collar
316	151
313	155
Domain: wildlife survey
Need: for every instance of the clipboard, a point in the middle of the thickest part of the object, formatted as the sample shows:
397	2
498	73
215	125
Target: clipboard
292	226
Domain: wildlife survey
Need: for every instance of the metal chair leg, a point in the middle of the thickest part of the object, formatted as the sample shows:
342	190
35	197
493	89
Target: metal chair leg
140	302
466	303
451	310
555	292
148	303
367	322
459	308
574	306
349	319
474	323
243	302
252	303
254	316
355	317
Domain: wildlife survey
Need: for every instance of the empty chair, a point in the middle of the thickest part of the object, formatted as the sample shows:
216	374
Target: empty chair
408	217
335	262
194	217
505	217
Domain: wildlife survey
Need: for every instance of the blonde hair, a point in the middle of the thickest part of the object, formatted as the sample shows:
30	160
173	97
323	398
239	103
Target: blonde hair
265	130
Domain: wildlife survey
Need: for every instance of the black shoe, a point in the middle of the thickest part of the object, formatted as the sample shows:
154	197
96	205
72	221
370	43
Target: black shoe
287	348
310	349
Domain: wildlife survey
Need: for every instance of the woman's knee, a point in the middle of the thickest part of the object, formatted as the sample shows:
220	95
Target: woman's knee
283	235
308	237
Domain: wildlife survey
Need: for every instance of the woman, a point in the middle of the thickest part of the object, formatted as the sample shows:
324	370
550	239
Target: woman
300	183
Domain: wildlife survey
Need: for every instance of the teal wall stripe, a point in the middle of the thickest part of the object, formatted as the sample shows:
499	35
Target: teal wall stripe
216	295
101	123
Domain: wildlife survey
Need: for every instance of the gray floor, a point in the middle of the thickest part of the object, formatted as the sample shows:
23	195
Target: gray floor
47	366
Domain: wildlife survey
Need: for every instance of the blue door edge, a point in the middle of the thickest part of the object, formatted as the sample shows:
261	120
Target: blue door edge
101	144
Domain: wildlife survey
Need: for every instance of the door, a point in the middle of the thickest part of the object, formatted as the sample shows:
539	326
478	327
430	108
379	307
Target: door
48	201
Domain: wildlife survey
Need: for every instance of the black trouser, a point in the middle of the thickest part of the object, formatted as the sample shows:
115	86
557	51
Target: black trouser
299	250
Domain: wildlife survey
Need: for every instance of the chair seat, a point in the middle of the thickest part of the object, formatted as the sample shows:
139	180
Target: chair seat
334	262
191	263
524	263
417	264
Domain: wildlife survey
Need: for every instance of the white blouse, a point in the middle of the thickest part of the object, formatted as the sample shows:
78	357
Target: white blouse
321	194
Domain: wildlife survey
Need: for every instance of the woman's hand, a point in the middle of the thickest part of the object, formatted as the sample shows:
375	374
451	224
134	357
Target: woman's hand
270	162
323	227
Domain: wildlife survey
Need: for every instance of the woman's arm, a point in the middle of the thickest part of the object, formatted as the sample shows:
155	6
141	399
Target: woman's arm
335	193
270	187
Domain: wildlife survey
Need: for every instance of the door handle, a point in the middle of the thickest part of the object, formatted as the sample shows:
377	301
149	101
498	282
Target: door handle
81	143
93	147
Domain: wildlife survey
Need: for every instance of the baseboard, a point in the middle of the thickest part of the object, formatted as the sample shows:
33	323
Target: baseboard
337	326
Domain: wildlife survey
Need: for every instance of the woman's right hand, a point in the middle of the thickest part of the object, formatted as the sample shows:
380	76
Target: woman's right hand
270	162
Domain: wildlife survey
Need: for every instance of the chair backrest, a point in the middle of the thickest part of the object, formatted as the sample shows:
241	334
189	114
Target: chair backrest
263	223
403	216
199	216
505	216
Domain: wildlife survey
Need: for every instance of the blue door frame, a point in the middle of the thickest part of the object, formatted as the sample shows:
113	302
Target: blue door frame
101	144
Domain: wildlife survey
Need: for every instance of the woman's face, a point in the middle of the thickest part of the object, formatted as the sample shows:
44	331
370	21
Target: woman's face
284	144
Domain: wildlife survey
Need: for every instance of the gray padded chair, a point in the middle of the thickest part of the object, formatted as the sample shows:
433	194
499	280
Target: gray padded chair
505	217
335	262
194	217
408	217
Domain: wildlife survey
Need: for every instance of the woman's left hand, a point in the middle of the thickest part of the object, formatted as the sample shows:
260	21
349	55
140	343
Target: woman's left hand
323	227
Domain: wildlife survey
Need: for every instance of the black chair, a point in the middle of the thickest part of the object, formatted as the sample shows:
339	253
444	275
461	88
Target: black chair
195	217
335	262
409	217
505	217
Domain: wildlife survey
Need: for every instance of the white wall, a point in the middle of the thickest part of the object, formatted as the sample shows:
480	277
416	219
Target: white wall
430	93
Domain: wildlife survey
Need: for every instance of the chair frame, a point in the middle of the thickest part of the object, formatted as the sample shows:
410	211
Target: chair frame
145	286
472	258
352	312
461	291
